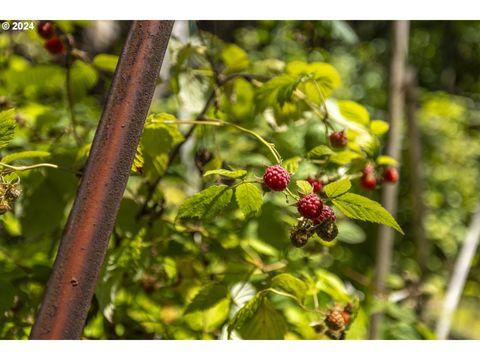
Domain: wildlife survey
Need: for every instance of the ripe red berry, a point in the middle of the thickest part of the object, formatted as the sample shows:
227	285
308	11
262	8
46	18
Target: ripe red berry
54	46
334	320
316	184
369	181
338	139
325	214
310	206
45	29
276	178
390	174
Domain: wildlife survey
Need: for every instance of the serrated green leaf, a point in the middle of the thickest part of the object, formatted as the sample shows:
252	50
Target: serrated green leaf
234	174
24	155
304	187
7	127
386	160
344	157
337	188
291	285
379	127
291	164
207	297
105	62
361	208
319	151
353	111
249	199
277	91
258	320
206	204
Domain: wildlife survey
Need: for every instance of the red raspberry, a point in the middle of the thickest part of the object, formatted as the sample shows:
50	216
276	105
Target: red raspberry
54	46
390	174
276	178
338	139
334	320
310	206
45	29
325	214
316	184
369	181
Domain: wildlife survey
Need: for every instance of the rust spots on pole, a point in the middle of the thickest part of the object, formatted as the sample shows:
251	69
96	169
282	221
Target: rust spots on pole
84	242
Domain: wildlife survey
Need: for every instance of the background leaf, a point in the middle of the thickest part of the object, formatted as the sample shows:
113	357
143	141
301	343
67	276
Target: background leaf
249	199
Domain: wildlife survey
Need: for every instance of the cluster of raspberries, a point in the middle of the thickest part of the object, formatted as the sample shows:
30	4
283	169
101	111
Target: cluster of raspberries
276	178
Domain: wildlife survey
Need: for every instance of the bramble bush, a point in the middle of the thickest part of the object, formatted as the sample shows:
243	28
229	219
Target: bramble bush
249	173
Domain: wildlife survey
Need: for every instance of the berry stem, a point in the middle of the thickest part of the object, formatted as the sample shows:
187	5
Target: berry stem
216	122
28	167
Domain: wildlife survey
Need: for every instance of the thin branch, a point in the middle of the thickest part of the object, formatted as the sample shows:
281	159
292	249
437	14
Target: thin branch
70	99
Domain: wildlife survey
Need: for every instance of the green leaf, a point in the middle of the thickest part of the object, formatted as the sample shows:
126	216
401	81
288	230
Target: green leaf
206	204
258	320
344	157
249	199
234	174
8	295
331	284
83	77
325	75
319	151
24	155
207	297
235	58
291	164
291	285
337	188
354	112
379	127
105	62
386	160
361	208
277	90
7	127
304	187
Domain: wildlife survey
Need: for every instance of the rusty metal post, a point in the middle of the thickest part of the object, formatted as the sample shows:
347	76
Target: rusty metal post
84	243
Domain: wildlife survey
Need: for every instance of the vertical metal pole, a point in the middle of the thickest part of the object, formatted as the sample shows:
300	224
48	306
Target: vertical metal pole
84	243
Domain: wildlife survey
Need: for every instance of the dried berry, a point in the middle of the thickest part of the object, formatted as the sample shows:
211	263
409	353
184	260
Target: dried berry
334	320
327	230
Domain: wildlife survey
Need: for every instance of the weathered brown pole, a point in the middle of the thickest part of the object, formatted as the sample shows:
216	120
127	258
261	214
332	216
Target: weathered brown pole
84	243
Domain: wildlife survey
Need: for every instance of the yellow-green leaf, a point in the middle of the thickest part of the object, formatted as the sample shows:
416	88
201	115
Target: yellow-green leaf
337	188
353	111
